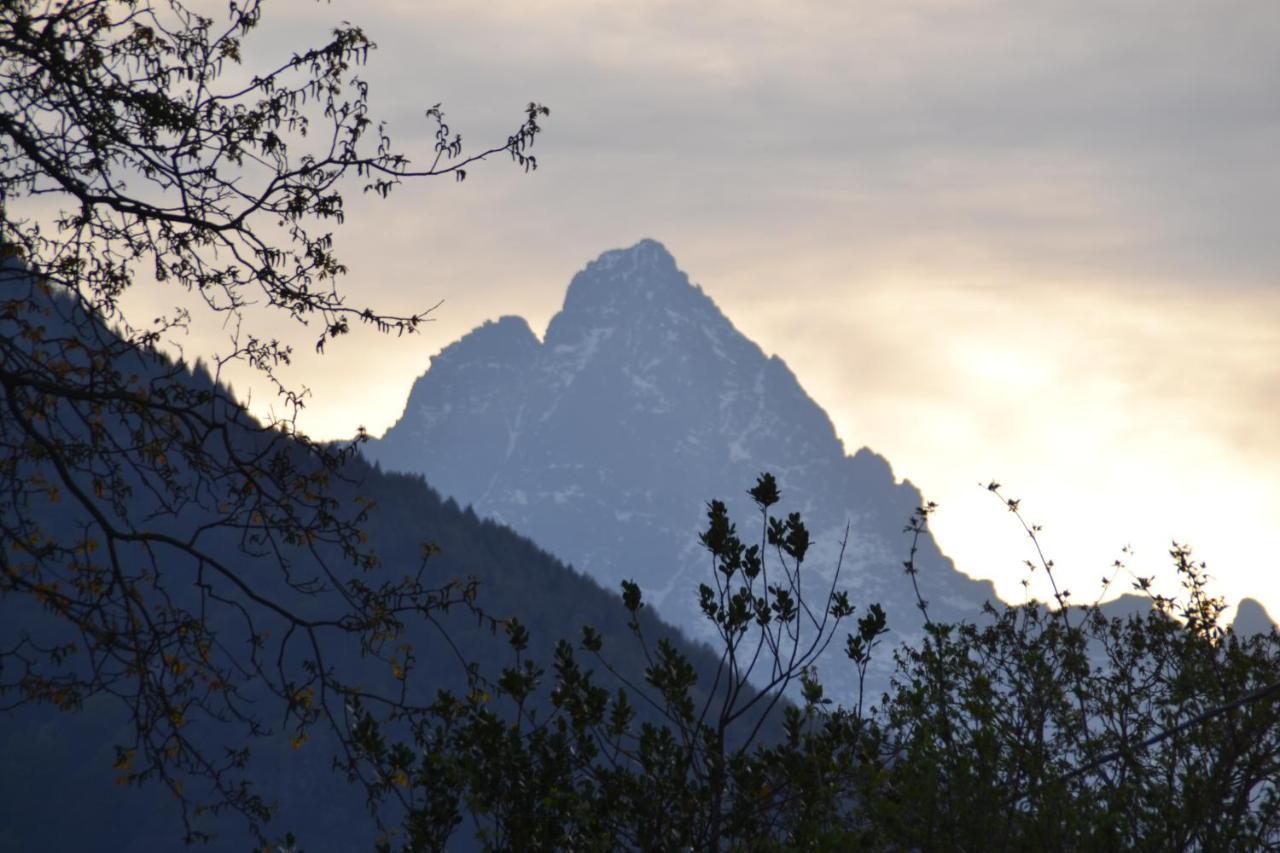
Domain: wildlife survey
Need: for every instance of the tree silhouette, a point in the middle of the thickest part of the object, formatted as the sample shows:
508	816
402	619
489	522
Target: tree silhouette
133	155
1029	728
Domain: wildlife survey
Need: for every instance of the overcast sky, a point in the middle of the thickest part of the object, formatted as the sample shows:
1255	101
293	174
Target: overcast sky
1034	241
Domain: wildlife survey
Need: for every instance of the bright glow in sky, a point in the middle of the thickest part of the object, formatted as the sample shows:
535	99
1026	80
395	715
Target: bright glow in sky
1030	241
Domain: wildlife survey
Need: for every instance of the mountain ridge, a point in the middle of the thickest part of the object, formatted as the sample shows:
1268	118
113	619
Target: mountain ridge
603	441
642	401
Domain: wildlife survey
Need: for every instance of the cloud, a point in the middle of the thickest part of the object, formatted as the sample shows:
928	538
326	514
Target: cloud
1032	238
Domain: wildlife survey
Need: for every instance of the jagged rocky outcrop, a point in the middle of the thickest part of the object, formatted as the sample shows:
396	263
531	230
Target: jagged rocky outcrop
604	441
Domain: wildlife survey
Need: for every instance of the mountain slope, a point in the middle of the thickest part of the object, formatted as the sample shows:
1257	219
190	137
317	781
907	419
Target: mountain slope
604	441
59	763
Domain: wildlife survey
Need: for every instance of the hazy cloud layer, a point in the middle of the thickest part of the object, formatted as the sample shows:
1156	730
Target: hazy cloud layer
1027	240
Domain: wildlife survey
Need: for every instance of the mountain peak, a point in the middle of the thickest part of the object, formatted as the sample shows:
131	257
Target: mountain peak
507	339
627	281
647	254
642	402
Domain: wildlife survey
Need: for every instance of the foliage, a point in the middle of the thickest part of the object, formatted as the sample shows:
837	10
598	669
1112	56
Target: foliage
1072	730
137	150
667	763
1037	729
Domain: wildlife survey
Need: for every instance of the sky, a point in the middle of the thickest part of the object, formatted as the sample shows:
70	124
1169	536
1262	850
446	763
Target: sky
1036	242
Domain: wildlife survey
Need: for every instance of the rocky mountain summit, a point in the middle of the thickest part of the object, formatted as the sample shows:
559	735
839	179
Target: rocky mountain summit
604	441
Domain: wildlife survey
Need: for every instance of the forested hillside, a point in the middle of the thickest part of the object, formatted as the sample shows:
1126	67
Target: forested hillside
61	749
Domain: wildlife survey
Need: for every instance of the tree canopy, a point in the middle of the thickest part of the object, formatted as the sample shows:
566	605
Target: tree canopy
1027	729
143	144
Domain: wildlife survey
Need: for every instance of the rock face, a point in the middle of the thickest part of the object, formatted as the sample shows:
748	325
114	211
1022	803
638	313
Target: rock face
604	442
